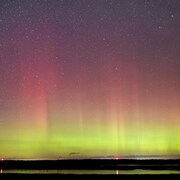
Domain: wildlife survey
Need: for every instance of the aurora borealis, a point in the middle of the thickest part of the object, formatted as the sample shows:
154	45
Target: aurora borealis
89	78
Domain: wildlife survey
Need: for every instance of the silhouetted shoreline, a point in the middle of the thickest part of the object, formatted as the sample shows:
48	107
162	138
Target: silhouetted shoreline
91	164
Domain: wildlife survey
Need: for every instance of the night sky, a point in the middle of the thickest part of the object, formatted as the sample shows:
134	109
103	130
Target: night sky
89	78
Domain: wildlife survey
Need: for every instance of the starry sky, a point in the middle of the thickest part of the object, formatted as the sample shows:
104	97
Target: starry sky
89	78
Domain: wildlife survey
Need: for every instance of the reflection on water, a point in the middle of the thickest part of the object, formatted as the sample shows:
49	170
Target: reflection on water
100	172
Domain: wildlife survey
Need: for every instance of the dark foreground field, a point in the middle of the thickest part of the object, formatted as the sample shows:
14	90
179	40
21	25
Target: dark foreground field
91	167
